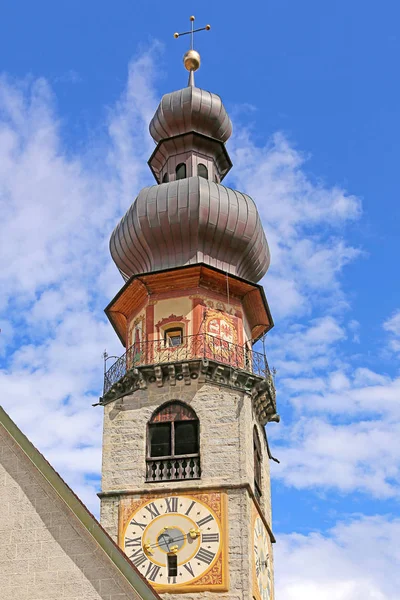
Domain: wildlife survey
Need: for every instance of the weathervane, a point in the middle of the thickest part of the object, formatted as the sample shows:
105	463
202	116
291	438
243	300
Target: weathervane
191	59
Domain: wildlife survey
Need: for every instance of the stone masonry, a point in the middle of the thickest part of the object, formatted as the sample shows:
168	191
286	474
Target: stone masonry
45	552
226	449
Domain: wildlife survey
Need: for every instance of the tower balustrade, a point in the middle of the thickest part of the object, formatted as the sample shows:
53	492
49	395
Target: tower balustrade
192	347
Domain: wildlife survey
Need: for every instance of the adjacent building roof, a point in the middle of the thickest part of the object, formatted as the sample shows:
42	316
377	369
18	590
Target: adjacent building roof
124	572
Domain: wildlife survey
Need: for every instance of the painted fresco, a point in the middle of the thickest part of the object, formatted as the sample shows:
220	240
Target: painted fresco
136	339
222	337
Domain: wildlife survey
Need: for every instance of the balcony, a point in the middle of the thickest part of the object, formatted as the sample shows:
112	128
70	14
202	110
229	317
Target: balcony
173	469
201	347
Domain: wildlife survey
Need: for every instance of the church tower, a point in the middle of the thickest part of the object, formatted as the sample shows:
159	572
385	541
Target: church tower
185	473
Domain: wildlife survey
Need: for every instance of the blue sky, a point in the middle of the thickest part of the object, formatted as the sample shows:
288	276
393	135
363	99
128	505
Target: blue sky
313	92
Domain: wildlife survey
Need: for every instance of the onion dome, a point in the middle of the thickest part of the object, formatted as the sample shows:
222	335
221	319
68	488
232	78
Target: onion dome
188	221
189	217
191	110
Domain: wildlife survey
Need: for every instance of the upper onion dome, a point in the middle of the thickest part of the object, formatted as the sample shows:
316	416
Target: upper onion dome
191	109
191	221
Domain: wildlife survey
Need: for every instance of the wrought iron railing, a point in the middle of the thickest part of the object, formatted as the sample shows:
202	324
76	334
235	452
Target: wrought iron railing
203	345
169	469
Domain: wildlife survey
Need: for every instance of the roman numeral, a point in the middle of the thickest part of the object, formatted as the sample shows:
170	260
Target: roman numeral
189	568
205	520
172	504
190	507
205	556
133	541
141	525
153	510
172	580
138	557
152	572
259	527
210	537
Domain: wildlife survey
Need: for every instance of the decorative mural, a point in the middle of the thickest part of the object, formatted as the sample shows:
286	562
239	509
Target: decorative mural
222	337
136	339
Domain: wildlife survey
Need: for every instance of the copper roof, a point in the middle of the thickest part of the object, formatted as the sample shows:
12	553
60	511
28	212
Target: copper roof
190	221
191	109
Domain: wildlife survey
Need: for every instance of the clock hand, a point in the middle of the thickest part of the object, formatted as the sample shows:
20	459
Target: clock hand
193	534
165	536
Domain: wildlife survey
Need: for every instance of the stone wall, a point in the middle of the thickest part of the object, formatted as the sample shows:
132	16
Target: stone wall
226	446
226	438
45	552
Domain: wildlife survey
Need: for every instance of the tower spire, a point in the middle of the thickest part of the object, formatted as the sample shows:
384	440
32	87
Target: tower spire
191	58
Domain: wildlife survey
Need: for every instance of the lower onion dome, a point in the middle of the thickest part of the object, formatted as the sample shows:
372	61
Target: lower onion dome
191	221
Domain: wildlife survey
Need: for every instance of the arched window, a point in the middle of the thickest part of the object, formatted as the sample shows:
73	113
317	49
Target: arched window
173	450
180	171
257	463
165	178
202	171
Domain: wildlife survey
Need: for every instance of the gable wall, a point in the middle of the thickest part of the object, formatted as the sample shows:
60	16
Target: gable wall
45	551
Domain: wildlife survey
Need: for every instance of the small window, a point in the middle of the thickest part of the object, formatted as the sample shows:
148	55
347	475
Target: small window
173	443
257	462
172	561
173	337
174	431
180	171
186	437
165	178
202	171
160	439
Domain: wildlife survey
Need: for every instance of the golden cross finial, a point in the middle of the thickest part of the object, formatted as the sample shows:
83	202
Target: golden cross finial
192	31
191	59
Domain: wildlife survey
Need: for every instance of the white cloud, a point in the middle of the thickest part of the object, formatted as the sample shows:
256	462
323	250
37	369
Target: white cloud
392	325
303	220
361	456
355	560
57	211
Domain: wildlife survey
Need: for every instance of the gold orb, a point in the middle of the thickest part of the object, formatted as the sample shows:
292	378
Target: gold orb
208	27
192	18
191	60
176	35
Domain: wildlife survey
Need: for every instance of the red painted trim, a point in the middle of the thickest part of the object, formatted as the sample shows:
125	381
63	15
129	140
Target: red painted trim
198	313
172	319
239	327
150	333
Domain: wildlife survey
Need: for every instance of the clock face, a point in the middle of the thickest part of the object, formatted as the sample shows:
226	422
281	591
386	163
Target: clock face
262	559
173	540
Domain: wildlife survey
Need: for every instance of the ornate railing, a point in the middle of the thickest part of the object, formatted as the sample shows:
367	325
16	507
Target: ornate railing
203	345
169	469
